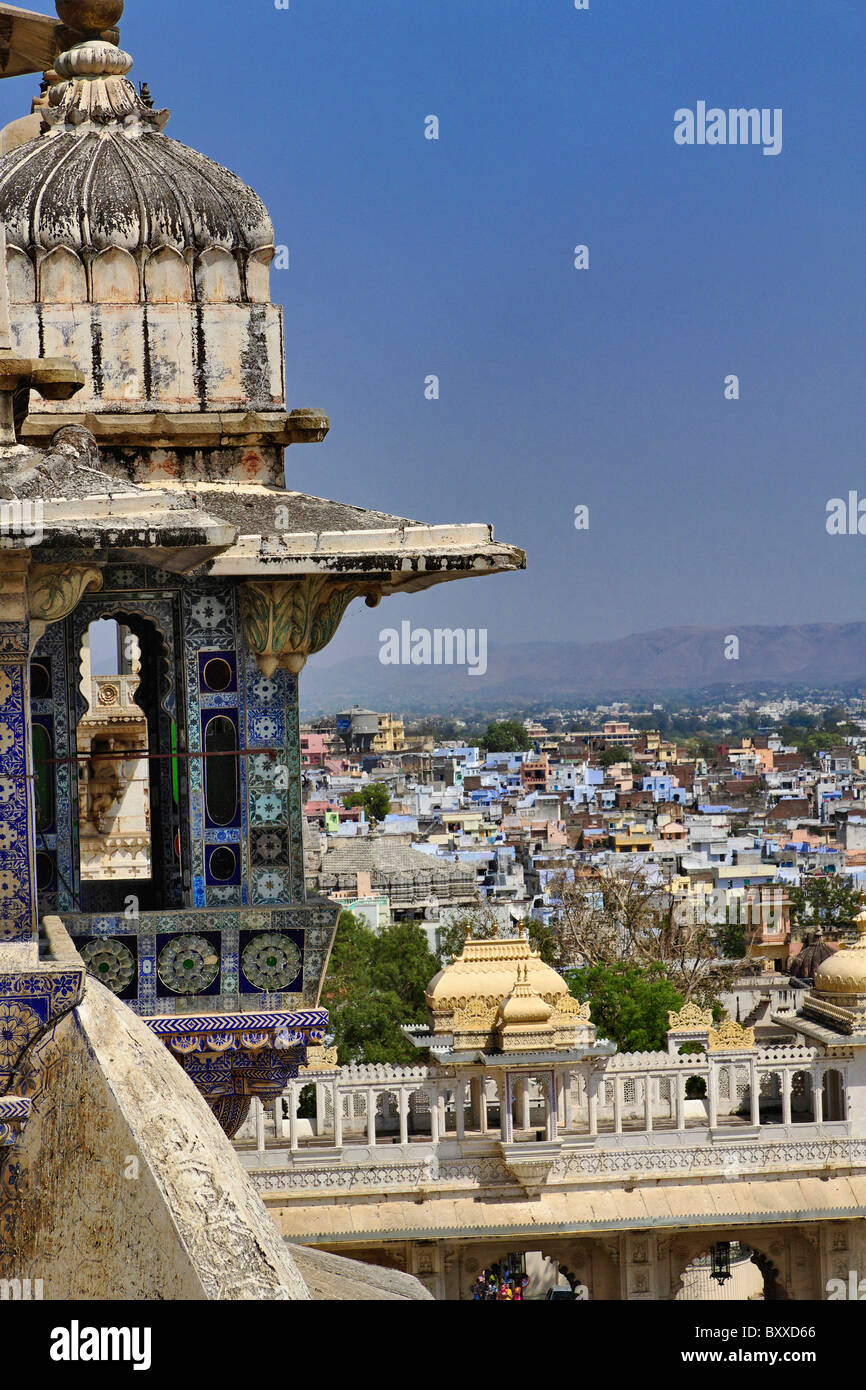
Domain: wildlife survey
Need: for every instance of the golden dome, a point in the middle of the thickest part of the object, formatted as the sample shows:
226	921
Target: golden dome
498	994
486	973
845	971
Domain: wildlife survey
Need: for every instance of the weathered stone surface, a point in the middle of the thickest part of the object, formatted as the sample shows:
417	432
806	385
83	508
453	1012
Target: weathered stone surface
123	1185
332	1277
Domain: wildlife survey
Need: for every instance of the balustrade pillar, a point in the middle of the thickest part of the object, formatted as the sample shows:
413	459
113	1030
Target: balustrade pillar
648	1104
403	1103
617	1104
817	1097
524	1109
260	1124
506	1129
293	1116
371	1118
441	1108
552	1128
712	1095
434	1117
460	1110
338	1117
560	1096
482	1105
755	1095
680	1096
278	1118
786	1097
592	1104
567	1118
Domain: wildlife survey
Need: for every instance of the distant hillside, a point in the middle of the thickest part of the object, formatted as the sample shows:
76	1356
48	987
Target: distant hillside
669	661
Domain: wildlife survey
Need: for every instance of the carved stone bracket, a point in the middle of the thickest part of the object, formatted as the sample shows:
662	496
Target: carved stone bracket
54	591
288	620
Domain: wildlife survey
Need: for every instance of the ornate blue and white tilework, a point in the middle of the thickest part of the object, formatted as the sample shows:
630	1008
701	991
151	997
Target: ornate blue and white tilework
211	960
17	817
51	691
30	1001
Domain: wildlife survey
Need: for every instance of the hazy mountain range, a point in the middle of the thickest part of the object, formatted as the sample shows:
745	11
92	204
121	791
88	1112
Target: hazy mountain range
668	661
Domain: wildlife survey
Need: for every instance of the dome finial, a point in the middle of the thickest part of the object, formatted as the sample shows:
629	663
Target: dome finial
93	88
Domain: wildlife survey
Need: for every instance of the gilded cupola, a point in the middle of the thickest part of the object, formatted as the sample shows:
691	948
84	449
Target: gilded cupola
499	995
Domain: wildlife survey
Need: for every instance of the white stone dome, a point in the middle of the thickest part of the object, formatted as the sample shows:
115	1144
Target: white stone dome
103	178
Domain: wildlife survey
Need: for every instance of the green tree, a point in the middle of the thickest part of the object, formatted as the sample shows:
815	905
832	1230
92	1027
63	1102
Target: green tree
374	798
375	983
829	901
629	1003
608	757
509	736
731	941
404	965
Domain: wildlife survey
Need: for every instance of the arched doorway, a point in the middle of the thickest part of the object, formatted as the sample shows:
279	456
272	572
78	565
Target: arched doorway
139	641
730	1271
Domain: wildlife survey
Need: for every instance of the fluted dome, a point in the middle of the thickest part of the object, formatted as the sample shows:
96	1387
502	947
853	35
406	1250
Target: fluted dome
814	953
109	188
499	994
103	177
487	971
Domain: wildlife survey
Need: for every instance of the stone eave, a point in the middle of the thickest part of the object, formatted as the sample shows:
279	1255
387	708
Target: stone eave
649	1207
402	558
183	429
126	528
827	1037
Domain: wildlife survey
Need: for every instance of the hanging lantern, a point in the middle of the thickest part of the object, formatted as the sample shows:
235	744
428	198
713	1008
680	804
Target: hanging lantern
720	1262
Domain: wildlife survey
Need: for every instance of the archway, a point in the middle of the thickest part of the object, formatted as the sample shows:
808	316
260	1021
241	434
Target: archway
146	643
730	1271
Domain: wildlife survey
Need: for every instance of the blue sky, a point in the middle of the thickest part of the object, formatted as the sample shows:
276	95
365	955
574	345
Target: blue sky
558	387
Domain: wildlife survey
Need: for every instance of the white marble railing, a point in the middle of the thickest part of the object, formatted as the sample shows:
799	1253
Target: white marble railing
616	1099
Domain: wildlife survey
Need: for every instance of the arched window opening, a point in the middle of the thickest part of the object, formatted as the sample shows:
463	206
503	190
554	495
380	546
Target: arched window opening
113	745
43	772
833	1095
222	801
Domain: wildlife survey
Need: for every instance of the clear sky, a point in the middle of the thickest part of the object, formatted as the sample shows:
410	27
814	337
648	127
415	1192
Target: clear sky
559	387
